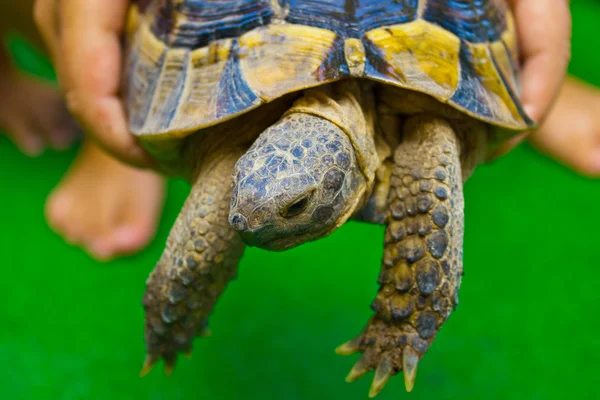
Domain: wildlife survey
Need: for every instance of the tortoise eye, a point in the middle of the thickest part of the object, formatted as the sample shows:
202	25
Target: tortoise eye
296	207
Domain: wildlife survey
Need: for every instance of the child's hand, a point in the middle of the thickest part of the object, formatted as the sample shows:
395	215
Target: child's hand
544	28
84	40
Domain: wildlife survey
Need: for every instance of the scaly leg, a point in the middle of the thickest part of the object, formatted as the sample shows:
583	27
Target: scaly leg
200	258
422	263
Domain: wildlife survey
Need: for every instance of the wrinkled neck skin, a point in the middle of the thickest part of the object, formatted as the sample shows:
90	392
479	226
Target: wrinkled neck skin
308	173
205	149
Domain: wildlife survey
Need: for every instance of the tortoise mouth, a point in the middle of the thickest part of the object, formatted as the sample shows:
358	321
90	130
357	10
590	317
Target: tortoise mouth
283	241
271	244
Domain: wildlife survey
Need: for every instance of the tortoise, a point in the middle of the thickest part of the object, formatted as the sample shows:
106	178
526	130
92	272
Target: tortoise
291	117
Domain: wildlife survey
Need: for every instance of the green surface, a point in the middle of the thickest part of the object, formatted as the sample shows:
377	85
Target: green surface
526	327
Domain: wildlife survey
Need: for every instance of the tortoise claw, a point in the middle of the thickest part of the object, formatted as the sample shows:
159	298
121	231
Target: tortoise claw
387	348
382	374
360	368
410	361
350	347
151	360
148	365
169	366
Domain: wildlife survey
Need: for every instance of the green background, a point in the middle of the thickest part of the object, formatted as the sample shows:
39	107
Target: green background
526	328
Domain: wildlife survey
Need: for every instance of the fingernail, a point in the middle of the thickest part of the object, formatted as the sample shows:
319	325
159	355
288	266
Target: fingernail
530	111
33	146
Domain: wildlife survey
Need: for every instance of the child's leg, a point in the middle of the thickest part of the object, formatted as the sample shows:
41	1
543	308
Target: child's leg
571	133
106	207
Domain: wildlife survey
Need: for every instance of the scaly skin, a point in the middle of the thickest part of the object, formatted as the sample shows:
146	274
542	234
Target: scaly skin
417	193
321	151
422	264
200	258
202	251
299	176
308	173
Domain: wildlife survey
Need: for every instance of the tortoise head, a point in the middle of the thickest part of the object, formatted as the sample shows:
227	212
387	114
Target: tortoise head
298	182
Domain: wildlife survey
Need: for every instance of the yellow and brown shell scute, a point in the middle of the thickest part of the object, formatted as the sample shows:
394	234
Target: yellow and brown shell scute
191	64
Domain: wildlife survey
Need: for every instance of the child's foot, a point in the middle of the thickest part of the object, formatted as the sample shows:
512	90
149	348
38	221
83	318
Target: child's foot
33	114
571	133
104	206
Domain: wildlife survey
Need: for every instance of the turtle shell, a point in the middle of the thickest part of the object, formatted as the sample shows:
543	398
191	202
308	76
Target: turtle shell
191	64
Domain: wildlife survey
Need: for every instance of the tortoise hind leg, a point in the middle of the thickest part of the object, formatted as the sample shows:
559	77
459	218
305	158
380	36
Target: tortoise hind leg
200	258
422	263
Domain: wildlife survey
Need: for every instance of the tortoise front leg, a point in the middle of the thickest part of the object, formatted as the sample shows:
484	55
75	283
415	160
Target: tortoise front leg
422	263
200	258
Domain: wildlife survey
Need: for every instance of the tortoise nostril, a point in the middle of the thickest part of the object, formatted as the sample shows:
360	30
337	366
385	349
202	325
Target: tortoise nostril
238	222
